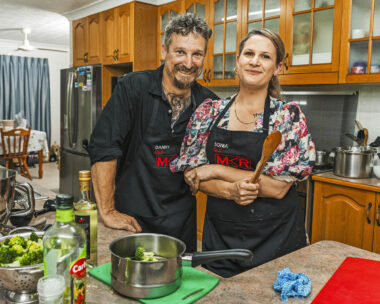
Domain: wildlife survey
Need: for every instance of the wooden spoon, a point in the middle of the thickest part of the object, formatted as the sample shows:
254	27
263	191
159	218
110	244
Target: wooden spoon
365	139
270	144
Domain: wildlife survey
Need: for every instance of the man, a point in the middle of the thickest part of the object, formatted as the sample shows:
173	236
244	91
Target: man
141	130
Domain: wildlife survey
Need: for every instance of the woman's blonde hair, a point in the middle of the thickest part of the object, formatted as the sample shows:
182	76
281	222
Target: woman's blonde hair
274	88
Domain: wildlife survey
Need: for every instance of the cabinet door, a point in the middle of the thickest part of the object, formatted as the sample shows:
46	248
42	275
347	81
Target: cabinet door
80	41
259	14
343	214
376	232
109	30
165	13
124	41
200	8
360	51
313	37
225	17
94	43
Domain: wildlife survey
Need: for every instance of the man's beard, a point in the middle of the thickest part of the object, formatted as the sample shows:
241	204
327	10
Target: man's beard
183	83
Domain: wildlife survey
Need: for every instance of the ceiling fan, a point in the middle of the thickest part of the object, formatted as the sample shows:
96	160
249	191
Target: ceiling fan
26	46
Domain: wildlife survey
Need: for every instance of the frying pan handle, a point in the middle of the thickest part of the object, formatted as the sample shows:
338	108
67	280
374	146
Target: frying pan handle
205	257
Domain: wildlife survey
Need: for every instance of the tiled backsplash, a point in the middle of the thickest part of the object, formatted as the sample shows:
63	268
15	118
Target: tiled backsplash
331	116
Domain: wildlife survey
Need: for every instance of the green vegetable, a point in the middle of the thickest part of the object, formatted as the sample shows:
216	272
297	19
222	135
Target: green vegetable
17	251
142	255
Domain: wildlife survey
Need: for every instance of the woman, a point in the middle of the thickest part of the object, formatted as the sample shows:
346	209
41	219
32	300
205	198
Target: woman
222	146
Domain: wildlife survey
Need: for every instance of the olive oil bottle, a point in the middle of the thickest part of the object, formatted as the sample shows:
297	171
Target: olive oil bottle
86	215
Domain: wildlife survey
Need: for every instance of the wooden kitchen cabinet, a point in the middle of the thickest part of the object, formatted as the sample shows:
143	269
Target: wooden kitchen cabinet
86	40
360	51
347	213
164	14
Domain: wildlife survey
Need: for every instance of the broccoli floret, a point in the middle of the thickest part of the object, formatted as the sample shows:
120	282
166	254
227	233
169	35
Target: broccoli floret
142	255
7	255
35	247
128	259
33	237
6	242
18	249
32	257
17	240
139	253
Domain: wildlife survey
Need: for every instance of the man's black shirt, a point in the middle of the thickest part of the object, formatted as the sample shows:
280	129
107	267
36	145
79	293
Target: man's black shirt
124	120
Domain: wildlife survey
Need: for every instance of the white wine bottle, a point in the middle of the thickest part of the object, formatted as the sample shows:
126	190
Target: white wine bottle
65	251
86	215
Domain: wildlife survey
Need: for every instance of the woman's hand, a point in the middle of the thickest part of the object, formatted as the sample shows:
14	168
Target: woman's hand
193	177
243	192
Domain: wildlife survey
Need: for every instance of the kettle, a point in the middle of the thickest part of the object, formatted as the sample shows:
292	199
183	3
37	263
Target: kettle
7	191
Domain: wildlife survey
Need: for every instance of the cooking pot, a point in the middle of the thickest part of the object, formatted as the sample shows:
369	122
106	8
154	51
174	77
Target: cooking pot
145	280
321	159
354	162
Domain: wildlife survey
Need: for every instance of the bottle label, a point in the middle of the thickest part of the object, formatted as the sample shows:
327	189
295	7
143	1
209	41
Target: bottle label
84	222
78	278
64	216
84	186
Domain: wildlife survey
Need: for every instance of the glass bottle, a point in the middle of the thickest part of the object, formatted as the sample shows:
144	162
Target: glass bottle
86	215
65	251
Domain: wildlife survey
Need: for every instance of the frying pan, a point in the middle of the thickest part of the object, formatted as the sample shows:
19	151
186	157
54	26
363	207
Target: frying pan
145	280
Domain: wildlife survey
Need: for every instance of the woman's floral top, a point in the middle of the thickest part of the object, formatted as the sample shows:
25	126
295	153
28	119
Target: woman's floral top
293	159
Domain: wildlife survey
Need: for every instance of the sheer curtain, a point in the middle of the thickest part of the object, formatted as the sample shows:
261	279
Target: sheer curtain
25	87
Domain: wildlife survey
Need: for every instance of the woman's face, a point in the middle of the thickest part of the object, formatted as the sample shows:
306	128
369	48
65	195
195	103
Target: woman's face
257	62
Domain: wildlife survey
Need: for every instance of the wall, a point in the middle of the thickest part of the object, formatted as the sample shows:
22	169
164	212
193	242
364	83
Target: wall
57	61
366	111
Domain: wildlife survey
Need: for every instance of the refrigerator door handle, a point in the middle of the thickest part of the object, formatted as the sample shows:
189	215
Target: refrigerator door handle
69	105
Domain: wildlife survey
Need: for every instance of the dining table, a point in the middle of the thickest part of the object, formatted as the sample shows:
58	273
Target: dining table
37	143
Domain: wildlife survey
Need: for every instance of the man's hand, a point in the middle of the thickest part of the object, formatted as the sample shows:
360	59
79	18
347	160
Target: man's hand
243	192
116	220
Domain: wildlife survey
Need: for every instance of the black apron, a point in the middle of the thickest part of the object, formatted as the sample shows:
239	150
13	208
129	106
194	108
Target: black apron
160	201
268	227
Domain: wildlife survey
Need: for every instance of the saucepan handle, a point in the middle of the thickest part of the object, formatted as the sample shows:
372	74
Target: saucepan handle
205	257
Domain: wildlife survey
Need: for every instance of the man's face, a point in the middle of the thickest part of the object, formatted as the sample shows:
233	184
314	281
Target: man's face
184	59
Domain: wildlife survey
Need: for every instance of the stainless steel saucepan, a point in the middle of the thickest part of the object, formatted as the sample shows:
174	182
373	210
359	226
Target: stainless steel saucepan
144	280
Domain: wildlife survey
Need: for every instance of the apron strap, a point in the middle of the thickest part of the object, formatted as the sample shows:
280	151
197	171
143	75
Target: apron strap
221	115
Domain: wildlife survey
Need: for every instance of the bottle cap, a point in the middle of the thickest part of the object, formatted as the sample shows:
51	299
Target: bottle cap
84	175
65	201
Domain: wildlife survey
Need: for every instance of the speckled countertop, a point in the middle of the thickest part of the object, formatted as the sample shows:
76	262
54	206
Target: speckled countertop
319	261
372	183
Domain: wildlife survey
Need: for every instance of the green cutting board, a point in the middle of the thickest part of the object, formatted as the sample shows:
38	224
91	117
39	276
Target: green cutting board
195	285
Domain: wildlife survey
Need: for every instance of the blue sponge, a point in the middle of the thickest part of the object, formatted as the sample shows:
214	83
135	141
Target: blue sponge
291	284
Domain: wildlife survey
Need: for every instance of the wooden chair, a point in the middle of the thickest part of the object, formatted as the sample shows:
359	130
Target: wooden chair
15	147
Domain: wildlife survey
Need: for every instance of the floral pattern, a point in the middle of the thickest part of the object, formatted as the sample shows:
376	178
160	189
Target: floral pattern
293	159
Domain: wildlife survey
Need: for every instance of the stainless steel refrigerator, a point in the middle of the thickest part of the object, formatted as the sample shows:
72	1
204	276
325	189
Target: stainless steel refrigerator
80	108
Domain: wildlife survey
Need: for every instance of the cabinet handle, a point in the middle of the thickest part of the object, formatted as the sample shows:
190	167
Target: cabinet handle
114	55
286	59
85	57
209	75
368	210
378	216
117	54
204	75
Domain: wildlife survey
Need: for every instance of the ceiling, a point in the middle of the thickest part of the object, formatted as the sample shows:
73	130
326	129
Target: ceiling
44	18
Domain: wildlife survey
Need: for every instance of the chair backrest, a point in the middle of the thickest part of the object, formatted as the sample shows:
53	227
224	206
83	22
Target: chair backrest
15	142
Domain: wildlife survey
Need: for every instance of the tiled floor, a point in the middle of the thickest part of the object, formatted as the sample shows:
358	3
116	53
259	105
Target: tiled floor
50	178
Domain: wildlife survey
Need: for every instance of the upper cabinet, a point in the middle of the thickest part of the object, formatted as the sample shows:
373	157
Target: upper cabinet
86	50
360	52
124	34
165	13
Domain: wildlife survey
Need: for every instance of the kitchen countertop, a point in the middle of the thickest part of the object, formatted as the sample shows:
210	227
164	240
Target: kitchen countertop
372	184
319	261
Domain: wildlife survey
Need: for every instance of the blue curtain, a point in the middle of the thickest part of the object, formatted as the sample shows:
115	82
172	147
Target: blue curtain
25	87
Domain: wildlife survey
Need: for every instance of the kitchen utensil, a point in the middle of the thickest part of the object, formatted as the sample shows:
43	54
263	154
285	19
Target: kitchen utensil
354	138
49	205
270	144
7	189
365	139
21	282
355	281
358	124
321	159
354	162
138	279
